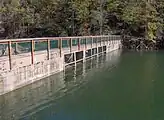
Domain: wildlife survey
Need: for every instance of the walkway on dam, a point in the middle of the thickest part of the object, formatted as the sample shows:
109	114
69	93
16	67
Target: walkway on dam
24	61
38	49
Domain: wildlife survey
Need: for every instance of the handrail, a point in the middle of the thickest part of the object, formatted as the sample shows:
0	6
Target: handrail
53	38
32	41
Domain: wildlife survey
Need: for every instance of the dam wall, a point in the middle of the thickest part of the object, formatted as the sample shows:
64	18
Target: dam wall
25	61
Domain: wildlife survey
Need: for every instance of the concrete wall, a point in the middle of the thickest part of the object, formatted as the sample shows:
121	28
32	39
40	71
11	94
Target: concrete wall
24	73
21	76
111	46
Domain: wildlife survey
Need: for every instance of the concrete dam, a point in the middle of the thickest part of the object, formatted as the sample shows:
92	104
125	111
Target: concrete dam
24	61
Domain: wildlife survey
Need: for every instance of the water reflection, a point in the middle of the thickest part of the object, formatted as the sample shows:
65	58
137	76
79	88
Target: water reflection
35	97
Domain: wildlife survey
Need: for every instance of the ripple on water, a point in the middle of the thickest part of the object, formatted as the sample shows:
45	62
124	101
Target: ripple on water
38	96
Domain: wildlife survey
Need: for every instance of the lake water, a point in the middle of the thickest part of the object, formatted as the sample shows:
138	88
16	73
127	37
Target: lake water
122	85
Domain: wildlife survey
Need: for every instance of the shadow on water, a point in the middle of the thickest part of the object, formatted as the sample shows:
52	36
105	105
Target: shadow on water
27	101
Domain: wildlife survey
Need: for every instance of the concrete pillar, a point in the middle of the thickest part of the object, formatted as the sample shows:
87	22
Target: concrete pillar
75	72
84	55
97	50
84	68
97	60
75	57
26	75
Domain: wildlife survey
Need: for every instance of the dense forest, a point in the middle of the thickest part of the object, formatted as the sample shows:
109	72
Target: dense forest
37	18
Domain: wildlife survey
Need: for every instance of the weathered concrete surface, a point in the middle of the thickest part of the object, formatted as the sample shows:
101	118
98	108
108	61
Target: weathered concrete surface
24	73
22	76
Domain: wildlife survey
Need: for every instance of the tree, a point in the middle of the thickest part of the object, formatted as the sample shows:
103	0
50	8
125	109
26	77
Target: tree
37	18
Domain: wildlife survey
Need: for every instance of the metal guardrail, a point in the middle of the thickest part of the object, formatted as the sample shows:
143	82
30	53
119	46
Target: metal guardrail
9	47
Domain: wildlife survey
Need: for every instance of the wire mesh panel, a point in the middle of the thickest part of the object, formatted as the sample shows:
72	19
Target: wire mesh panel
102	39
88	40
74	42
54	44
107	38
111	38
3	49
118	38
82	41
16	48
65	43
21	47
114	38
40	45
99	39
94	40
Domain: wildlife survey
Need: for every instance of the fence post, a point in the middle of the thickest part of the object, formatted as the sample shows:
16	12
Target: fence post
78	43
60	46
85	40
32	51
70	44
92	42
16	48
96	42
9	54
48	49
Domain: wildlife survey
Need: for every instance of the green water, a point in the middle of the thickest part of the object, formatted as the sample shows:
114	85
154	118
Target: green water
117	86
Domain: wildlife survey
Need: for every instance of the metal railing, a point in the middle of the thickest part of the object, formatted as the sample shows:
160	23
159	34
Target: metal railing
11	47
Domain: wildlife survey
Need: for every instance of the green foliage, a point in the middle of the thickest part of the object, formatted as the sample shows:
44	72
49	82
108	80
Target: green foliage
139	13
36	18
